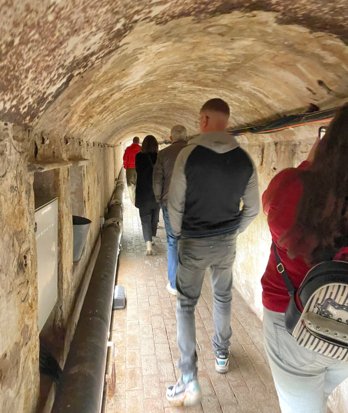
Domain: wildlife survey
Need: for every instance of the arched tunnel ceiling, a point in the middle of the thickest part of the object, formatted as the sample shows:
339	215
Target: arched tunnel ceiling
108	69
161	75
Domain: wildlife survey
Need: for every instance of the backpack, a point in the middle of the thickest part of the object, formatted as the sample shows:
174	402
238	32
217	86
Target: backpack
317	314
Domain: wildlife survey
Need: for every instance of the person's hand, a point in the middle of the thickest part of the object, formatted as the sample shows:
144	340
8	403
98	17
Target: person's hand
311	154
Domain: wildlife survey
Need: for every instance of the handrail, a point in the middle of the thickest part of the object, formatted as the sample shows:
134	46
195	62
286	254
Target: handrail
288	121
81	386
284	122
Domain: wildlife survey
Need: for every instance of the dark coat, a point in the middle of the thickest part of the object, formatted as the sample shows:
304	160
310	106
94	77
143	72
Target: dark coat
144	196
163	170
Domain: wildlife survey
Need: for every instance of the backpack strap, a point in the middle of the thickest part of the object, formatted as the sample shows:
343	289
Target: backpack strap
281	270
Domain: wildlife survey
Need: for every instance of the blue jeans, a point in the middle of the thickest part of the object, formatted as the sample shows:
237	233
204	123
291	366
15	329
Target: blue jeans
172	256
303	379
196	255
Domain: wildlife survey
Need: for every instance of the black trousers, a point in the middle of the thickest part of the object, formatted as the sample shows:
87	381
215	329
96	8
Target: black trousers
149	221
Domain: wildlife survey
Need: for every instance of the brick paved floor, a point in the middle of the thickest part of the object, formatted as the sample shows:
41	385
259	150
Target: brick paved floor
144	336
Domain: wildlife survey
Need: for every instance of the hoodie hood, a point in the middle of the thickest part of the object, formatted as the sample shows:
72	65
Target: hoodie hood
219	142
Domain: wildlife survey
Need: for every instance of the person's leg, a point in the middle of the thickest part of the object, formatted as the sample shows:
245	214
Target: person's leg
299	374
154	220
222	288
172	255
128	176
131	177
336	373
131	191
189	280
145	217
223	259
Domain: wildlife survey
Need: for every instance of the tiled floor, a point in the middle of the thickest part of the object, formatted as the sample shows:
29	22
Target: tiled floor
145	350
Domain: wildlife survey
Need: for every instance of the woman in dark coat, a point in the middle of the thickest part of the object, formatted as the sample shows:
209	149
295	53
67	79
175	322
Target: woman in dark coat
144	196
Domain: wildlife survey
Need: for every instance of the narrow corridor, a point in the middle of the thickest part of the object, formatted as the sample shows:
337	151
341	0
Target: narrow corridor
144	337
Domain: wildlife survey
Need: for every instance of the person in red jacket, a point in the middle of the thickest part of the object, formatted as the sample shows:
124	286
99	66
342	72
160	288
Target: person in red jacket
307	213
129	165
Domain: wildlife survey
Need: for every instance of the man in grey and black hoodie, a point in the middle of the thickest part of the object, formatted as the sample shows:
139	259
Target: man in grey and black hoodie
213	196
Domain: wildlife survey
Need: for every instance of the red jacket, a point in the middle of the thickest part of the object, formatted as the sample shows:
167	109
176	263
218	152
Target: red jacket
280	204
129	155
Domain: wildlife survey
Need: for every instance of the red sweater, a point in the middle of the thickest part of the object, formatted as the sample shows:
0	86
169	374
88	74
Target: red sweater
280	204
129	155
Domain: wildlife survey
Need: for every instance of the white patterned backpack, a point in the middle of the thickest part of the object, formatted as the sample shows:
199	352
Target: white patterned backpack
317	314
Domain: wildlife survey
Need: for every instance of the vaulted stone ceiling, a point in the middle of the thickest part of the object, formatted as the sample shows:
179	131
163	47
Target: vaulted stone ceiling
108	69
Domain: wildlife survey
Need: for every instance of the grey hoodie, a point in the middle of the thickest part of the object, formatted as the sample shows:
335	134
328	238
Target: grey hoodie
212	174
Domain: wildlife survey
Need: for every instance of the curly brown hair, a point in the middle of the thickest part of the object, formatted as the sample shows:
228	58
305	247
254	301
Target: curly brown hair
321	226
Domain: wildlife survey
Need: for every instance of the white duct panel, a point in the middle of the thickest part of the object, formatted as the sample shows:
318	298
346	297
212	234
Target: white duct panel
46	218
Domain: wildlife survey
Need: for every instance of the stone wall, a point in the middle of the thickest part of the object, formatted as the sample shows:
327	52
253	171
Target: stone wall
19	364
19	340
271	154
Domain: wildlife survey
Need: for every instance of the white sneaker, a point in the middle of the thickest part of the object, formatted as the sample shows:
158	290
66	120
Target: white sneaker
184	394
222	362
149	248
171	290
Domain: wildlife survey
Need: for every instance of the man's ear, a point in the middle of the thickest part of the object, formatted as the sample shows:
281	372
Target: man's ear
206	120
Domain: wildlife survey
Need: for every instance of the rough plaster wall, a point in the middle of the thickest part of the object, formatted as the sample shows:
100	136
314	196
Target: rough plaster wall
19	366
118	159
56	40
109	174
76	190
162	73
271	154
99	187
65	265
